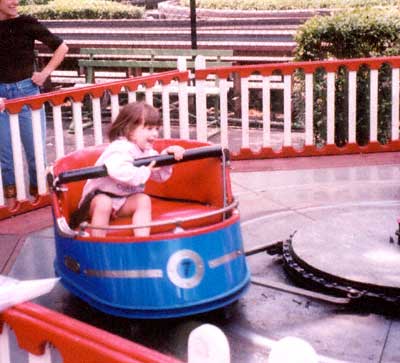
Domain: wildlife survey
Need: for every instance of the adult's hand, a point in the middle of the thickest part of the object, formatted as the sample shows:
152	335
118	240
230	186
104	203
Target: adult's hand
39	78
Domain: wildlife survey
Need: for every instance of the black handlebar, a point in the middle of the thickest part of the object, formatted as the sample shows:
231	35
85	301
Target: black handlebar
161	160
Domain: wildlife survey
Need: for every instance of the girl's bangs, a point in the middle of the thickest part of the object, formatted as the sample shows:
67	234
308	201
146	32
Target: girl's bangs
153	120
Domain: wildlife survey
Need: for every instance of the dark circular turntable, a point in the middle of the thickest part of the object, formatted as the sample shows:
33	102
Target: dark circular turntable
353	252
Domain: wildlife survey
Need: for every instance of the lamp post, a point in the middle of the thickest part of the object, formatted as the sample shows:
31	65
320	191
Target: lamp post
193	30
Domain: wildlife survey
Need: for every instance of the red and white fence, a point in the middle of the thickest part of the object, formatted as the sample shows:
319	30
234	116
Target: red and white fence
30	333
181	96
287	71
45	336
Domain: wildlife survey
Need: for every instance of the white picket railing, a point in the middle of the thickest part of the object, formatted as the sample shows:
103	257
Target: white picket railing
289	75
235	90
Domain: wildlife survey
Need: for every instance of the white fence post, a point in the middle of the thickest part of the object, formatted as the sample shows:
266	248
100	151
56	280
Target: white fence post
292	350
183	103
309	124
330	117
58	131
44	358
266	111
5	345
201	101
39	149
114	107
77	121
208	344
131	96
223	108
244	86
148	96
373	106
96	110
352	106
395	104
287	110
166	110
17	156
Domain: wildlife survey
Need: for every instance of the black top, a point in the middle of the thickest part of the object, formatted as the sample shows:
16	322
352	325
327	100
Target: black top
17	42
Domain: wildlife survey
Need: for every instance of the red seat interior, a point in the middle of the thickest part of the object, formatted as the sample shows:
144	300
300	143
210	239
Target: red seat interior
195	187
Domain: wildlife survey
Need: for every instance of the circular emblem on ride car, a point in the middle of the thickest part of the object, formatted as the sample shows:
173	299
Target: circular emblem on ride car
185	269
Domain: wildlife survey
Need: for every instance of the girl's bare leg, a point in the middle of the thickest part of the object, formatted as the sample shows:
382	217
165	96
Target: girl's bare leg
139	207
100	212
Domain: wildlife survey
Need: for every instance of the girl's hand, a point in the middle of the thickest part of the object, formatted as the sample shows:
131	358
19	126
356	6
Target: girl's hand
175	150
151	165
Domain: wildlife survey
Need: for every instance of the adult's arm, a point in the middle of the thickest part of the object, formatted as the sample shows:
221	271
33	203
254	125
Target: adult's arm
40	77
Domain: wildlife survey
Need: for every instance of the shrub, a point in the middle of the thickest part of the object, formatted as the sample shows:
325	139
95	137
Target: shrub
286	4
83	9
355	34
33	2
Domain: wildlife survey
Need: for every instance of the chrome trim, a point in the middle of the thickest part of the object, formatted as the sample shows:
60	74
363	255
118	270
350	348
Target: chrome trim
178	260
64	229
224	259
122	274
224	186
176	222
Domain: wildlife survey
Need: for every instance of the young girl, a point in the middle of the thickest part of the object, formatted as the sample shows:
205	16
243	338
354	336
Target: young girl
121	193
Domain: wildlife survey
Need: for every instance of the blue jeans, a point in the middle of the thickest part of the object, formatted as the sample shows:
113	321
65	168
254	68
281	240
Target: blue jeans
22	88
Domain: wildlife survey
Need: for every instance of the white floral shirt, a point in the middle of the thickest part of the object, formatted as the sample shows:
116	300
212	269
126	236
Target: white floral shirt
124	178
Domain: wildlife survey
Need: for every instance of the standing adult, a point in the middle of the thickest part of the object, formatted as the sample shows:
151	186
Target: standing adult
18	78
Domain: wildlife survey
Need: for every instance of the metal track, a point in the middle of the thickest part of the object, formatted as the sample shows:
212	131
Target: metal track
363	294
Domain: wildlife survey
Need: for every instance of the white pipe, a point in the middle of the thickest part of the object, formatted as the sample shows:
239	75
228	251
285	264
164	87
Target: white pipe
17	156
287	111
352	106
309	124
58	131
244	86
373	106
266	111
395	104
330	108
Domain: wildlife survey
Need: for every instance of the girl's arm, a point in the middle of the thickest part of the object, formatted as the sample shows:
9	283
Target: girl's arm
164	173
2	105
119	162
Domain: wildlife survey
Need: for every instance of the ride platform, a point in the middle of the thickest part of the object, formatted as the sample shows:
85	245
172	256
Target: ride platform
329	205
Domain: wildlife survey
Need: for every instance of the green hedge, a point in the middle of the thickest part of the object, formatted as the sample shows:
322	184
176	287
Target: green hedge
286	4
355	34
83	9
33	2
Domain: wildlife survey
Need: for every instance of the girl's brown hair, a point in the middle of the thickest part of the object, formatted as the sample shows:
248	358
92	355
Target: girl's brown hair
131	116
